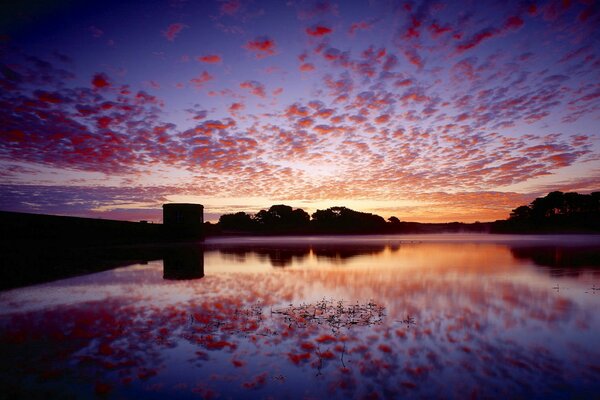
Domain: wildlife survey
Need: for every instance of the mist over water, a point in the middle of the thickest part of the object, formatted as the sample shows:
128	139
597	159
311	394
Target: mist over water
364	317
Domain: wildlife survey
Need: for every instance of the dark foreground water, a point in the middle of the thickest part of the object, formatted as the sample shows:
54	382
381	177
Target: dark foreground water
372	317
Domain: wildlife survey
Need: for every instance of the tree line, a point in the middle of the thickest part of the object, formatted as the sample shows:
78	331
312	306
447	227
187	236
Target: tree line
556	212
283	219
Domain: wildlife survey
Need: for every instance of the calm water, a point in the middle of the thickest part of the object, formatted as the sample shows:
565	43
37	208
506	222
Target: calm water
374	317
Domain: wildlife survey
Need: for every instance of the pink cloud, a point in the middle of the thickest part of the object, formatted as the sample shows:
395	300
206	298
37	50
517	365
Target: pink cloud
235	107
230	7
514	22
323	129
413	29
173	30
210	59
561	160
318	30
262	47
361	25
415	94
403	82
332	54
315	104
201	79
307	67
325	113
256	88
382	119
511	23
296	111
198	115
414	58
305	122
100	81
465	68
436	30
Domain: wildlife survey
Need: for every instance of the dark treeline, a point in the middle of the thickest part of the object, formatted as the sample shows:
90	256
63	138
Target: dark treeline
283	219
556	212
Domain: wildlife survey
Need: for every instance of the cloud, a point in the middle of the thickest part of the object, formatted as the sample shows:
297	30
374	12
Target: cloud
256	88
360	25
234	108
96	32
436	30
414	58
197	114
465	69
262	47
511	23
305	122
49	97
318	30
403	82
382	119
230	7
296	110
173	31
323	129
210	59
86	129
307	67
200	81
100	81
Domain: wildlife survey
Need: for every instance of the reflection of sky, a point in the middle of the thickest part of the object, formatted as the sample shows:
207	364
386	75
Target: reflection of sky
485	322
427	110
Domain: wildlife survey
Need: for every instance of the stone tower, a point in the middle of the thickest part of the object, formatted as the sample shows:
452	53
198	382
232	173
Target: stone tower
183	221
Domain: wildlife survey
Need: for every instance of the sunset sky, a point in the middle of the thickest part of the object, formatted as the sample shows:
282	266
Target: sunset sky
430	111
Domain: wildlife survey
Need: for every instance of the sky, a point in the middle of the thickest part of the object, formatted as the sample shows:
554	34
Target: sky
428	111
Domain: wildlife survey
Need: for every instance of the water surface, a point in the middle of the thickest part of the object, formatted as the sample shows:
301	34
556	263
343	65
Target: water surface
373	317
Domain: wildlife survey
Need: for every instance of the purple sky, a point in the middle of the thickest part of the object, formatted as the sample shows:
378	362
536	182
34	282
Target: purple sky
422	110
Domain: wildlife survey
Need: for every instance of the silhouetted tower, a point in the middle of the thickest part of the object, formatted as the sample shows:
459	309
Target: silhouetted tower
183	221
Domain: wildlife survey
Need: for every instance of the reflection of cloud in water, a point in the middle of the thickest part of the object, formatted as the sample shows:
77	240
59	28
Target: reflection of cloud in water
484	325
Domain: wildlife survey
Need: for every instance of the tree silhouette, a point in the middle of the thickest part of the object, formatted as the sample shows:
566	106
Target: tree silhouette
282	218
239	221
557	211
345	220
521	213
393	220
560	204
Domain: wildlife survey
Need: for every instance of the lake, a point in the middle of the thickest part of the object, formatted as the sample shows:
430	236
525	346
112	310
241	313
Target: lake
450	316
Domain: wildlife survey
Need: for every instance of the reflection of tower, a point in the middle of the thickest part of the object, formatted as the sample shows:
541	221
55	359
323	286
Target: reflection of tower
183	221
183	263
